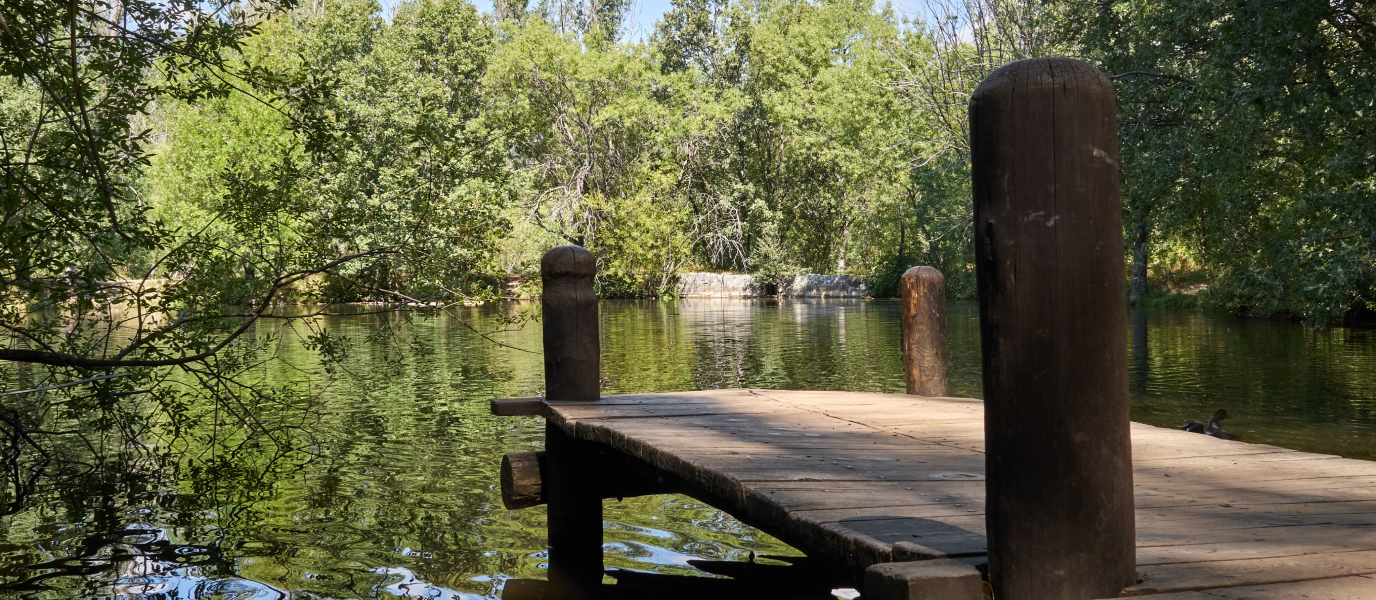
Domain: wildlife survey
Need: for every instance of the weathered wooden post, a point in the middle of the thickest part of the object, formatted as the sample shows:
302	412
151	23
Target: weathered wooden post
569	305
1049	261
926	356
572	358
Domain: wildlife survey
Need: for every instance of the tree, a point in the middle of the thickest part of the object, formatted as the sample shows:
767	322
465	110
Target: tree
279	173
1248	133
935	69
795	164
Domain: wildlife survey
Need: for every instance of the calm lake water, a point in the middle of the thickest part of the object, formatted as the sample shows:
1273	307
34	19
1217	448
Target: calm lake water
402	499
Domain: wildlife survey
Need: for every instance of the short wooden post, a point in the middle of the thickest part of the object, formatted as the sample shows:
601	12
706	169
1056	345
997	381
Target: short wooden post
926	356
572	348
572	355
1049	263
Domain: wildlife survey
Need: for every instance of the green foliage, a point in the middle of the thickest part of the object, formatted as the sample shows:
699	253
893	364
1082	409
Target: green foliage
1248	135
810	168
174	171
407	165
750	128
766	137
317	147
645	242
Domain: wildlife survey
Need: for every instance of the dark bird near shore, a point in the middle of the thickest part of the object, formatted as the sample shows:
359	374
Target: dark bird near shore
1213	428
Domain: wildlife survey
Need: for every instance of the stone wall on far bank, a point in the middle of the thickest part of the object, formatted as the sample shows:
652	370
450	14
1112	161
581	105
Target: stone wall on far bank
731	285
822	286
717	285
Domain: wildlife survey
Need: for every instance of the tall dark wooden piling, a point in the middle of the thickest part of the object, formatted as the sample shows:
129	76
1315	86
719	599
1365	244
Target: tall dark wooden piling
926	356
572	356
1049	261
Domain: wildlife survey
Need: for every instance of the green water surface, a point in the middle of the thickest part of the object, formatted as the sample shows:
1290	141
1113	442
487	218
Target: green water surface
402	499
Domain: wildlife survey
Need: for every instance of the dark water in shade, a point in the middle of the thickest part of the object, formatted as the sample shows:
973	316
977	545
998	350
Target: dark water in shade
403	501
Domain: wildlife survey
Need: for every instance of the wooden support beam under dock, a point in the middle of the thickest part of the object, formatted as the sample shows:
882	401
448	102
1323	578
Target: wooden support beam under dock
860	479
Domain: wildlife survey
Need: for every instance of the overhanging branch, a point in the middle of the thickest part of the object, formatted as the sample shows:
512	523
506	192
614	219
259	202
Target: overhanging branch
59	359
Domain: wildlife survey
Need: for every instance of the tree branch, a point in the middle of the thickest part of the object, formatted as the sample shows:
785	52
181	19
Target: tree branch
58	359
1150	74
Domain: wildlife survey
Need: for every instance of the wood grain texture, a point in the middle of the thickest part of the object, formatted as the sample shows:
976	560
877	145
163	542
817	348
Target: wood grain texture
937	579
571	342
1049	265
926	355
825	472
521	480
516	407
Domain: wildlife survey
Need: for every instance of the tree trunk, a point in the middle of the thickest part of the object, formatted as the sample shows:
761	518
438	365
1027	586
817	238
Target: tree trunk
1139	263
902	237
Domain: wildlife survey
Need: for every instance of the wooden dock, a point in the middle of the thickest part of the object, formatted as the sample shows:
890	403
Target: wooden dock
858	479
1046	482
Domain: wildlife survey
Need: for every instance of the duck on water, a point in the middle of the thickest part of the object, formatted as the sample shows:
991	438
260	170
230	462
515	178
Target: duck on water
1214	428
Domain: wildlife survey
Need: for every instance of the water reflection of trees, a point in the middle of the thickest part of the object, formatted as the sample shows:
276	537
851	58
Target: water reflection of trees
790	343
1283	383
394	488
393	447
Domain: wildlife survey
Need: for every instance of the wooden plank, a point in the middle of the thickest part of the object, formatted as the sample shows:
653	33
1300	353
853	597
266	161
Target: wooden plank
916	452
949	507
1237	573
1295	542
826	495
649	411
1356	587
741	421
722	396
1226	466
1260	529
1170	452
517	407
1296	494
1344	528
939	537
1221	524
669	437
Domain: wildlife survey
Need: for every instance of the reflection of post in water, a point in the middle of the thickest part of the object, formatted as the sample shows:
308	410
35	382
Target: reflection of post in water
841	325
1140	354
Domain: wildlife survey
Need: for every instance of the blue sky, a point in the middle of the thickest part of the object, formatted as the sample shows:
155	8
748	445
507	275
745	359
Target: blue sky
645	13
